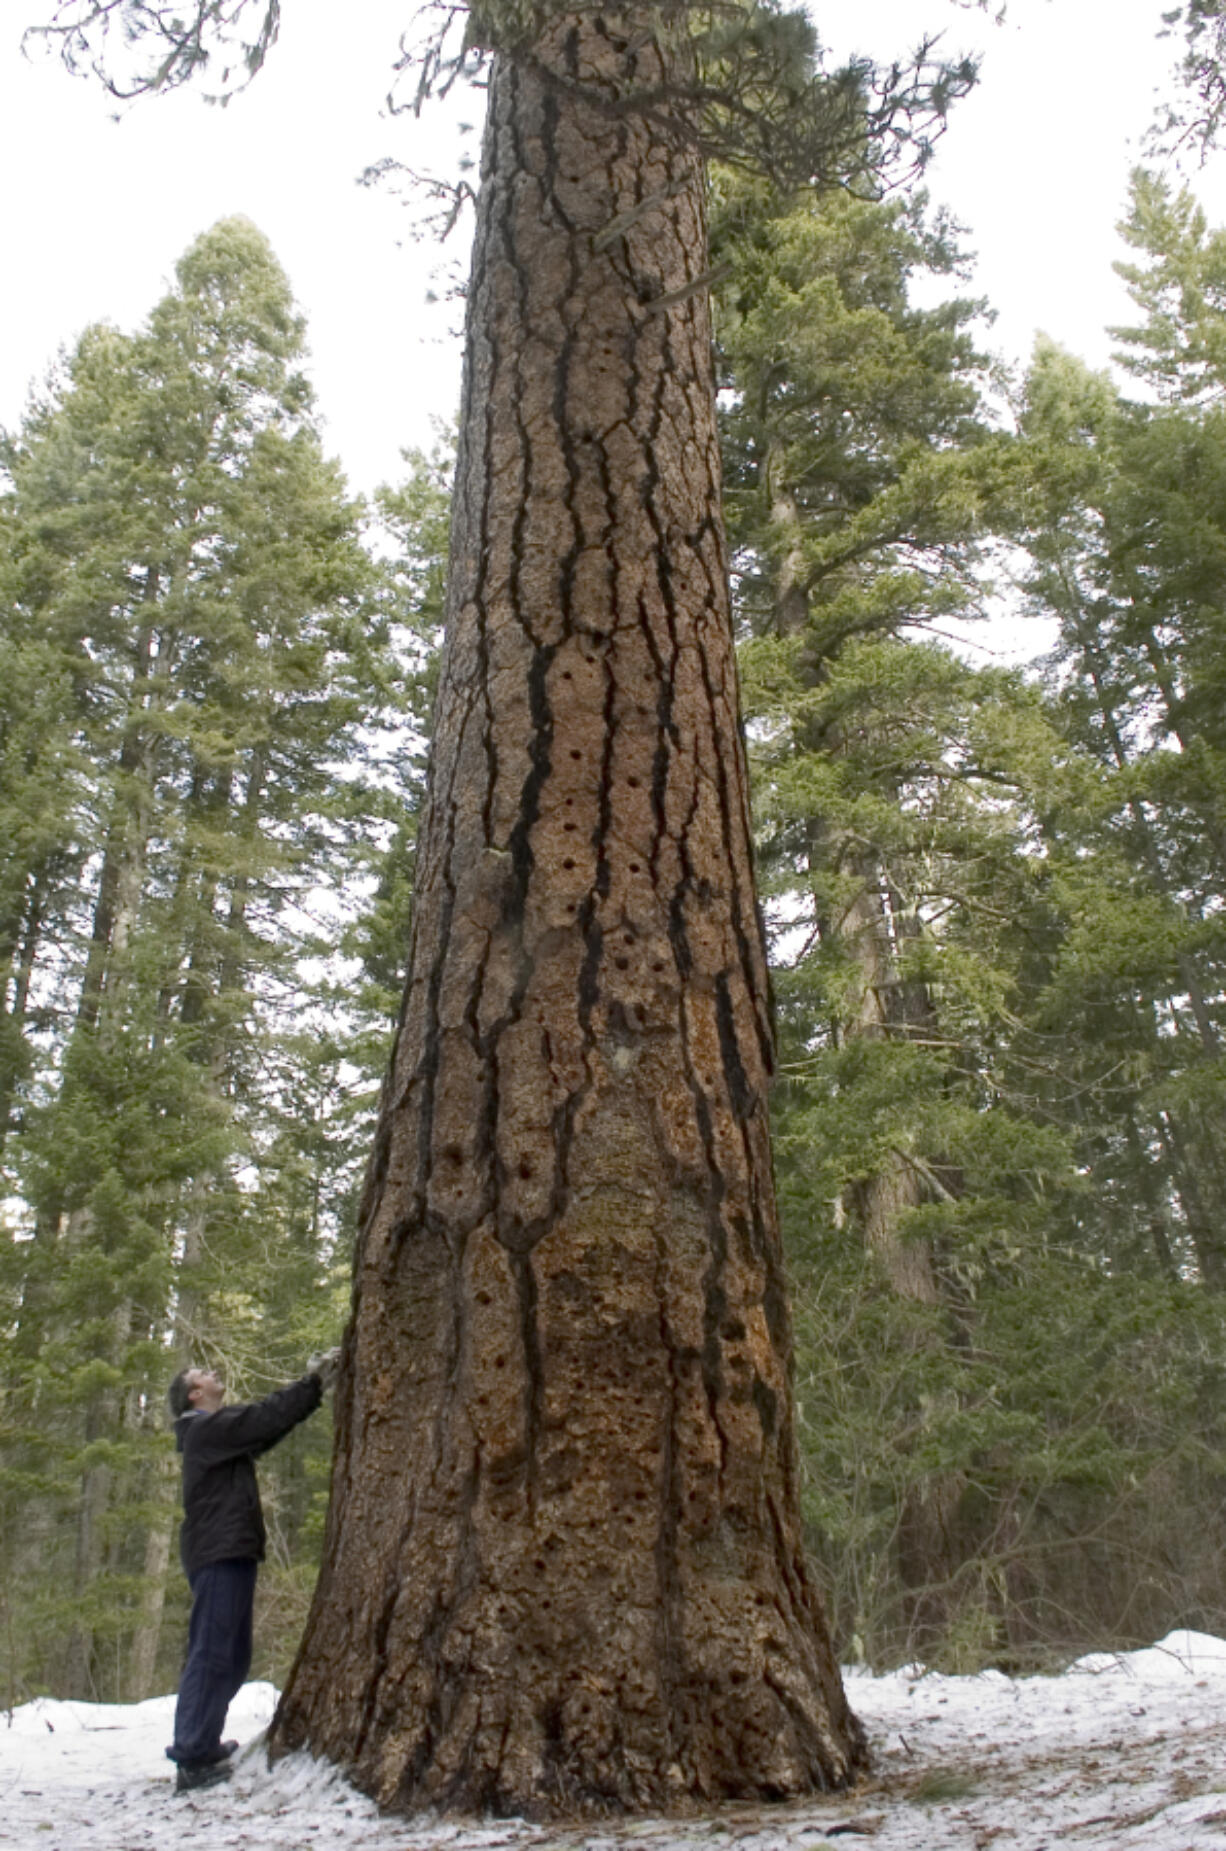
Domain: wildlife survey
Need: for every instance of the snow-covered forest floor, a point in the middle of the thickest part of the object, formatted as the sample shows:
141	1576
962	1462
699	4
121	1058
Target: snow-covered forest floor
1118	1753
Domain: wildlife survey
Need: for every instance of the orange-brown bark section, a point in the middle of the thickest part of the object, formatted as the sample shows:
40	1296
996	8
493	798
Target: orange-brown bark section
563	1565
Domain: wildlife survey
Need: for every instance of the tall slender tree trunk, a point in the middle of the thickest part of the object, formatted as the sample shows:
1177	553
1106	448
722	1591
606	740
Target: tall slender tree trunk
123	863
931	1540
147	1634
882	1006
100	1014
1175	717
1187	1179
102	1421
563	1564
19	956
1155	1201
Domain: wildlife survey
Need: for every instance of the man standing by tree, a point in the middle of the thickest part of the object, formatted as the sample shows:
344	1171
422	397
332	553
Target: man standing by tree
222	1544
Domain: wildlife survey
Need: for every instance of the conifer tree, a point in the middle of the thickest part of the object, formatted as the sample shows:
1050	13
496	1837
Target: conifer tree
208	590
1129	560
861	476
960	934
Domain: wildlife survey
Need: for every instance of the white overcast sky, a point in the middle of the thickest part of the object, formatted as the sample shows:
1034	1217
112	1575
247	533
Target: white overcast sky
94	212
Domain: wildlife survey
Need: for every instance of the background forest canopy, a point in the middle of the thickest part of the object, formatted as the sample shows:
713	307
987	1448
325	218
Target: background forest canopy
995	900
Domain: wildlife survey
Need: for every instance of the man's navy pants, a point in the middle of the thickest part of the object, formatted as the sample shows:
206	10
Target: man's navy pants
218	1657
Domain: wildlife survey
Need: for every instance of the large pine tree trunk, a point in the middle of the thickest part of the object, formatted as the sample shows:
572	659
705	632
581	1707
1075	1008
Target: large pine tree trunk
563	1565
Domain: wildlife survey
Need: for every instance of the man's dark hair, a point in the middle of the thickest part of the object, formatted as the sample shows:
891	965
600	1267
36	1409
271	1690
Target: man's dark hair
176	1394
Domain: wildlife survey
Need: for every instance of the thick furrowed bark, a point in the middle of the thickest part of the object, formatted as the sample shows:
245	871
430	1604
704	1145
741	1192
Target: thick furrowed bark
563	1564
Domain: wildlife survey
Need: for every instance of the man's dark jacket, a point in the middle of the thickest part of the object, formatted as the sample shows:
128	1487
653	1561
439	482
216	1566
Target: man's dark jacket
222	1518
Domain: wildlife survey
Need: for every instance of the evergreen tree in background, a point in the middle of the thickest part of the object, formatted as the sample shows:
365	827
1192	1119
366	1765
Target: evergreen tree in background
213	653
1129	559
863	476
942	887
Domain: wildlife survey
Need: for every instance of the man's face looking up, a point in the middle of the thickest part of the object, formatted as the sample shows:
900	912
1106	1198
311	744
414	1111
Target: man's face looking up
205	1390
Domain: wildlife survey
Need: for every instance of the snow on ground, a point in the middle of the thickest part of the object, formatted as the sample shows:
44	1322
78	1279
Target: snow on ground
1120	1753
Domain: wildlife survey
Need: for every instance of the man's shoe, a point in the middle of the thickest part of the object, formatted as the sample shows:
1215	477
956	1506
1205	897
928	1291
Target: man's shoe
222	1752
196	1774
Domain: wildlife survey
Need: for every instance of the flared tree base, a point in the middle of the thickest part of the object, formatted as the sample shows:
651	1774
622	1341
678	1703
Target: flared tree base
581	1755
